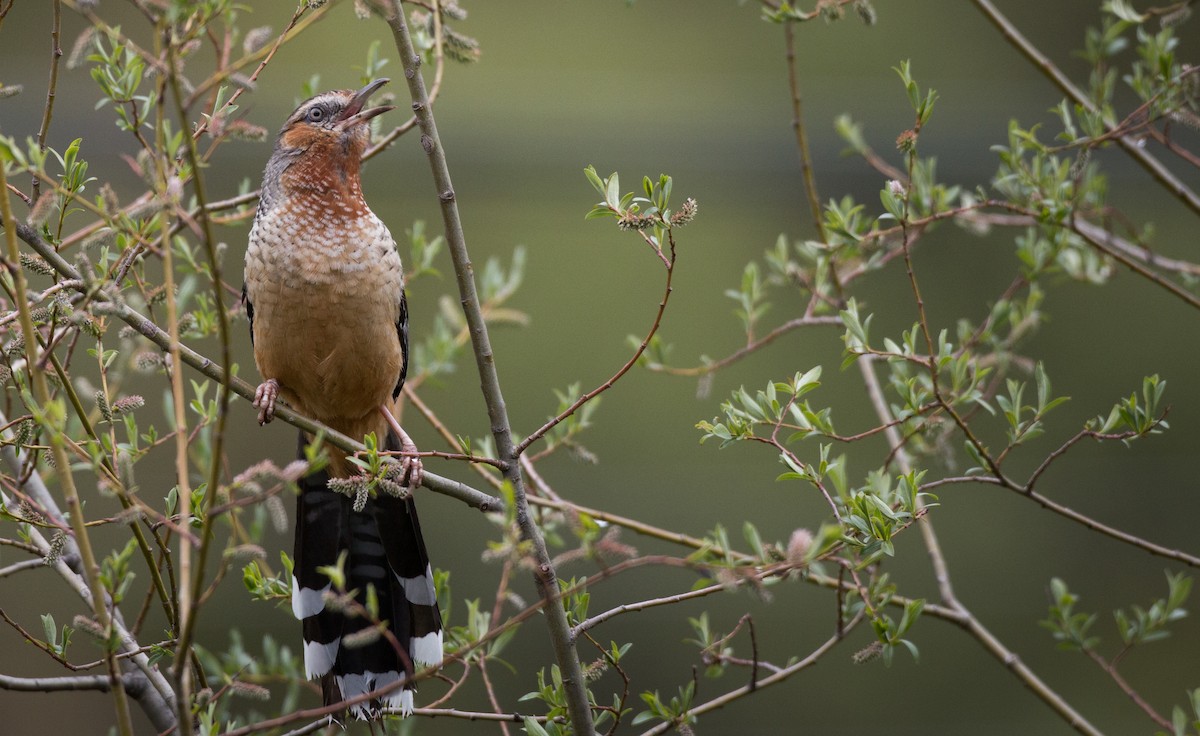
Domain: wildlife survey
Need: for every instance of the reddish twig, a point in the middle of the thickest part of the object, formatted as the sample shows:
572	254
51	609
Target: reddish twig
637	354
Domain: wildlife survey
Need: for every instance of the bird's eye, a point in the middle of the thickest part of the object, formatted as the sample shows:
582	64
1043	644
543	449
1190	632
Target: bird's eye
315	115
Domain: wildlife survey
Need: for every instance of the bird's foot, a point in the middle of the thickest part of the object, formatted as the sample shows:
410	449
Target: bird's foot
414	470
410	462
264	400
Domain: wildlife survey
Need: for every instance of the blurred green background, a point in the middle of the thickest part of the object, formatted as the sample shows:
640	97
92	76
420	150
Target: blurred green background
699	90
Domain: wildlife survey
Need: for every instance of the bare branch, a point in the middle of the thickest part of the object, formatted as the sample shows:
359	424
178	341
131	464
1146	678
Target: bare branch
720	702
637	354
545	577
156	699
148	329
593	621
59	684
51	89
751	347
1111	670
17	567
1147	161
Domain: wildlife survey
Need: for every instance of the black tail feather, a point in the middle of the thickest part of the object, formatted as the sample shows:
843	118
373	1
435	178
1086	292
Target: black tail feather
384	553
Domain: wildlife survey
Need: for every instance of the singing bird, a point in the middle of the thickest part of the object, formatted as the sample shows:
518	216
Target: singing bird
324	290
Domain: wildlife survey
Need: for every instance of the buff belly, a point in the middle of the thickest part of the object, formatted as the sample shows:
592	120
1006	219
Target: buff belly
324	327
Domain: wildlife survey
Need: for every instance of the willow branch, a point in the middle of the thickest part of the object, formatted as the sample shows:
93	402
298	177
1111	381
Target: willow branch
209	368
1082	519
41	392
188	617
439	63
59	684
962	615
1111	670
431	713
600	618
750	347
806	167
578	705
183	482
933	545
266	54
157	699
51	89
478	716
17	567
1101	240
721	701
633	359
1131	145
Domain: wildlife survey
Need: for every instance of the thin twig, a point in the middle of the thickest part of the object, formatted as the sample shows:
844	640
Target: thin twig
578	705
721	701
74	667
637	354
51	89
806	167
491	694
1134	695
593	621
447	456
1131	145
17	567
962	615
1079	518
184	608
217	435
478	715
208	84
41	393
148	329
751	347
58	684
1102	240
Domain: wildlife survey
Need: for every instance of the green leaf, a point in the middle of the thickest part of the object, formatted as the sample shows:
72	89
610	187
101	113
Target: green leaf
1124	10
612	194
595	179
50	628
891	203
911	612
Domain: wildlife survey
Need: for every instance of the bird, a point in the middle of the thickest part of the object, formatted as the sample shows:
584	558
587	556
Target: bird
324	291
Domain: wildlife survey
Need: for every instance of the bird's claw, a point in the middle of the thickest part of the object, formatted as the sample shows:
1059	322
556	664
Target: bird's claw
410	463
414	470
264	400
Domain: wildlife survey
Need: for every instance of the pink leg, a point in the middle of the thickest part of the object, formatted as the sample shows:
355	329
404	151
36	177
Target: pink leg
264	400
414	471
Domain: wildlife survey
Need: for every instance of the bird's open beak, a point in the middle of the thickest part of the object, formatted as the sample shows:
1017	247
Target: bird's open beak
354	112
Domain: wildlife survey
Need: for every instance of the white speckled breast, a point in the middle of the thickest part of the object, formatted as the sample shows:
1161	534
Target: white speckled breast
326	281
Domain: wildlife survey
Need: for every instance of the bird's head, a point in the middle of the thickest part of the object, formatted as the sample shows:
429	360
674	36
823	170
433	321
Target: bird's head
323	140
337	117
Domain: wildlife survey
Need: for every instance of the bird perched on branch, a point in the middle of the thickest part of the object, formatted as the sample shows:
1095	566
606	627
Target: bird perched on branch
324	291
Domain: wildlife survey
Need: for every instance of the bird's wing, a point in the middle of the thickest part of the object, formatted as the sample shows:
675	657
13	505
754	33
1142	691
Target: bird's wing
249	311
402	332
